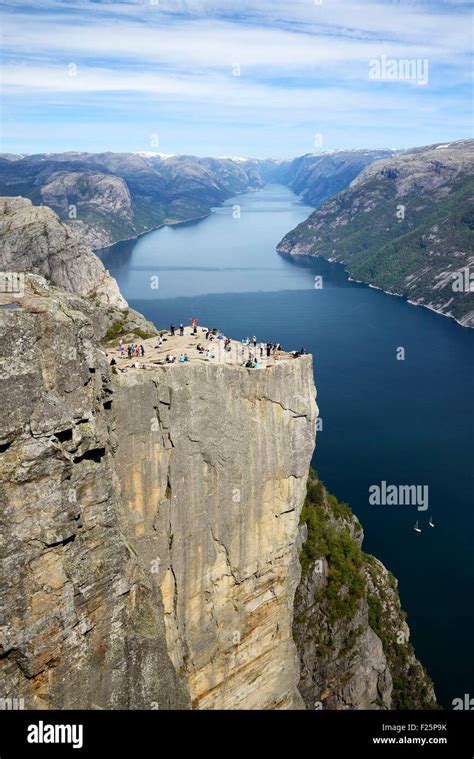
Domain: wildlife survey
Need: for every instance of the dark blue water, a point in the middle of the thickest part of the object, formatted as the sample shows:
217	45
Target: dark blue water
405	422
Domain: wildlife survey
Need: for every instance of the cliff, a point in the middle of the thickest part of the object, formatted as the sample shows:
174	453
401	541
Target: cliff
212	463
405	225
150	521
351	634
317	176
82	625
151	538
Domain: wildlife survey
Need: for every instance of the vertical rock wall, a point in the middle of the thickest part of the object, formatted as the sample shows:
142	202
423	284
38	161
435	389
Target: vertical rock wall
211	463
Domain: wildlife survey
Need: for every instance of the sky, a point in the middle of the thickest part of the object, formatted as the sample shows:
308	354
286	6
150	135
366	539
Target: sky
234	77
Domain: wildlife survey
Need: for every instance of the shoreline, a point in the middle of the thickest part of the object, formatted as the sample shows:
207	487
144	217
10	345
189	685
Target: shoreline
375	287
175	223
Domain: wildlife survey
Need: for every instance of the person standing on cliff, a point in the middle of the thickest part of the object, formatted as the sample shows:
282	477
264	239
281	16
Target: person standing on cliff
172	330
181	330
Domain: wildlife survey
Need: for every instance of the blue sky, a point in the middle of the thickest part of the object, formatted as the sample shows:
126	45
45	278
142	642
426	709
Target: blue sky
225	77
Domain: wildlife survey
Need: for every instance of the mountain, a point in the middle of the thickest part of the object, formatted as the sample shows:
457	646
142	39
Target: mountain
317	176
113	196
404	224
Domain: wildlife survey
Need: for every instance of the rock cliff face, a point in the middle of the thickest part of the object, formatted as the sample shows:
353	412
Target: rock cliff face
150	521
82	625
35	240
212	463
350	631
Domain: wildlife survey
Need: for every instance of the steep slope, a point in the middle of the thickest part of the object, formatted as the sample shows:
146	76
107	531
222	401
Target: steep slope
405	224
350	631
34	240
317	176
149	520
82	626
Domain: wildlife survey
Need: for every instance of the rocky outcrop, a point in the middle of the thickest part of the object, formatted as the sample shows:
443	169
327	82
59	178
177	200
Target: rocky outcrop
350	631
82	625
212	464
35	240
405	225
150	521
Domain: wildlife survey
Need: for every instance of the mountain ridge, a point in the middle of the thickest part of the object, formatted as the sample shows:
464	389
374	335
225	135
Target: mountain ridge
110	196
404	225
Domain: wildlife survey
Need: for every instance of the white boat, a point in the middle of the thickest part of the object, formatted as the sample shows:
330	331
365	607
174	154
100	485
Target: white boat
416	528
431	523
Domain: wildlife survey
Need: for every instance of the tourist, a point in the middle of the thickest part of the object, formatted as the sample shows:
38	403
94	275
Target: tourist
142	350
181	330
172	330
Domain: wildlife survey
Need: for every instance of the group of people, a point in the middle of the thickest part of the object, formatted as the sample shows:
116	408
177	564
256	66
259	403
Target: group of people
181	327
135	349
252	351
170	359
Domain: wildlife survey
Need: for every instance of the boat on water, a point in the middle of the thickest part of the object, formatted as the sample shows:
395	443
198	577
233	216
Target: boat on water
416	527
431	523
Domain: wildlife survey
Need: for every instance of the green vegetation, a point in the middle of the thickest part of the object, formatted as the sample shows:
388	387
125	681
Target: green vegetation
402	256
352	575
333	542
411	684
118	328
